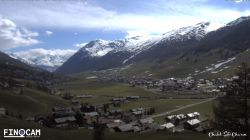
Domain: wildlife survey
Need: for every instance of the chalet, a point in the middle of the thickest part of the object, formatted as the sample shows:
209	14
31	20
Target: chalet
168	126
114	124
91	114
153	127
192	124
169	85
111	125
181	118
146	121
128	117
171	118
60	109
2	112
194	115
138	112
133	97
115	112
88	108
137	129
124	128
4	85
30	119
62	112
65	121
118	99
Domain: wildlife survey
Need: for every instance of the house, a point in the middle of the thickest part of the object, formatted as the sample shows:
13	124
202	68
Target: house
146	121
91	114
128	117
193	115
124	128
192	124
171	118
153	127
115	112
180	118
87	108
30	119
133	97
60	109
170	85
2	112
114	124
118	99
65	121
138	112
168	126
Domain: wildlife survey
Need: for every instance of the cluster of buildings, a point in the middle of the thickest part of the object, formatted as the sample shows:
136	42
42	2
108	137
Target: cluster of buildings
116	120
190	121
182	84
86	115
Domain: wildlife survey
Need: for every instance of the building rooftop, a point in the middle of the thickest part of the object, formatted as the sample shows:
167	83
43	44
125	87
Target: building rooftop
65	119
193	122
168	125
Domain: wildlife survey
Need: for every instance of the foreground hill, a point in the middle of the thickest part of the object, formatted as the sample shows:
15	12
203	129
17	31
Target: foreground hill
10	67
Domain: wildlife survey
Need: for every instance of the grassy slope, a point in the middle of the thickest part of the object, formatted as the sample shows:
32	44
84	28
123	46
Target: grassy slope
175	67
161	105
30	103
103	92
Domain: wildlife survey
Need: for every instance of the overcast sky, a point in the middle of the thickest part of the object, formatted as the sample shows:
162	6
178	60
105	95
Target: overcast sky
64	24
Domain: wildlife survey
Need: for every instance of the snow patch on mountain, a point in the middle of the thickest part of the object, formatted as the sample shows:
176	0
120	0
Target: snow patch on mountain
216	68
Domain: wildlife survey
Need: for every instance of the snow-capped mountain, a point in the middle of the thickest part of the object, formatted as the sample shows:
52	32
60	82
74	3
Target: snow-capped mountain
47	59
99	54
99	48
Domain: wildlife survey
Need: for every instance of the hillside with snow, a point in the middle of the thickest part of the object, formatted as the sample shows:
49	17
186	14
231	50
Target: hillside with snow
104	54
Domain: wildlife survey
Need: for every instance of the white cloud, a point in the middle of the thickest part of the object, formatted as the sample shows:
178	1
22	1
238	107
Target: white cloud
12	36
137	33
48	33
80	45
160	15
238	1
45	57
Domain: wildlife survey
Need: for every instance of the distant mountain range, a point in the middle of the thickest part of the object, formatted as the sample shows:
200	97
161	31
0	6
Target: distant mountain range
49	60
198	50
10	67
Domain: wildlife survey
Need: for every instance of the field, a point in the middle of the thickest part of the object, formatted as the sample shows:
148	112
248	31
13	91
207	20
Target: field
102	92
36	102
160	105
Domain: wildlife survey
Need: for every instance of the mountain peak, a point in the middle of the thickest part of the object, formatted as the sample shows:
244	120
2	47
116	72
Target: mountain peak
239	20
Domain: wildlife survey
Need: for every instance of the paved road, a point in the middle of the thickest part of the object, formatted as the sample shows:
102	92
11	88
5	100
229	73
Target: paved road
180	108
